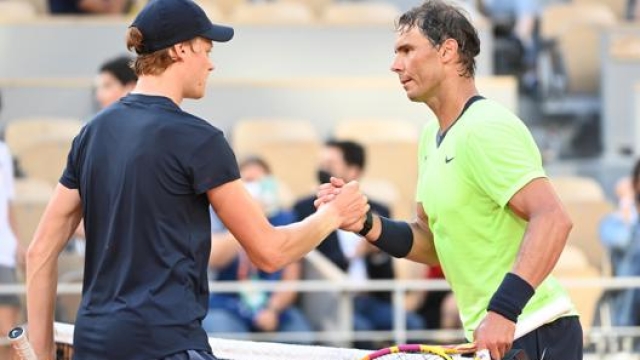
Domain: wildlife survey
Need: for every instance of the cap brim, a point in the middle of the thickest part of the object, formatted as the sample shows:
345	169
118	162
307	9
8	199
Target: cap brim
219	33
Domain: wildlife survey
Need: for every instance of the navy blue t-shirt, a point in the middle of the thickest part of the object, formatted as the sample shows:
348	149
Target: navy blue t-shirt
142	167
64	7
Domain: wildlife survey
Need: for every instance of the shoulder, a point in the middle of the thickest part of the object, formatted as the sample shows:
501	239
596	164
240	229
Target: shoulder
488	113
490	121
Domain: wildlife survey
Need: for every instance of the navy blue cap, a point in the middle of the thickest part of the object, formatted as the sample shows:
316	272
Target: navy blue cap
164	23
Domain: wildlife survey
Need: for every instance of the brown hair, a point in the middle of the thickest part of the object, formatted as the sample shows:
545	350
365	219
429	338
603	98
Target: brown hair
154	63
439	21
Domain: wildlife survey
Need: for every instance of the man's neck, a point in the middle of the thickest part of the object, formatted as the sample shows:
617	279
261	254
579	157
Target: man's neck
448	105
159	85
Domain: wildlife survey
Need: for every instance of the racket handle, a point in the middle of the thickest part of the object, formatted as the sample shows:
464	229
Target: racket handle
19	341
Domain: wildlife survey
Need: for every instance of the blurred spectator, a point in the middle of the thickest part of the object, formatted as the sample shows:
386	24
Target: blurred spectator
516	24
621	233
12	254
347	250
633	10
89	6
616	228
115	79
438	308
253	311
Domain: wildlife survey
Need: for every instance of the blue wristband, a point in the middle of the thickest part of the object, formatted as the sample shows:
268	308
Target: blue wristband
511	297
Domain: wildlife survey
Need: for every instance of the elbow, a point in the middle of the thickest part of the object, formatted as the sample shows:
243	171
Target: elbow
565	222
35	254
269	261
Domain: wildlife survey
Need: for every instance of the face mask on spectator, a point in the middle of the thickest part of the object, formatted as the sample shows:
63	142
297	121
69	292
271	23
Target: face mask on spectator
323	176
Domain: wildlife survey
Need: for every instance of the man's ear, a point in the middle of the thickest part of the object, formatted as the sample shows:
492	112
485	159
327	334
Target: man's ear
449	50
177	52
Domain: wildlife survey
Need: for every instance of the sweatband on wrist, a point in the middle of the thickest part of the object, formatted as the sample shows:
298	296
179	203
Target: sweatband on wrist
511	297
396	238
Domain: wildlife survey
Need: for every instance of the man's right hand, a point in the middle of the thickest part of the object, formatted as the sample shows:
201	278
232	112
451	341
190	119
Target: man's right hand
347	199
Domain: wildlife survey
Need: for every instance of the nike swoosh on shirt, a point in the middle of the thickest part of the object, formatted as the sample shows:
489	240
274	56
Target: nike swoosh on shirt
448	159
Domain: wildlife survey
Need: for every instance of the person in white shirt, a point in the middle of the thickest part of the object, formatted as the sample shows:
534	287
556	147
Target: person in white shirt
11	253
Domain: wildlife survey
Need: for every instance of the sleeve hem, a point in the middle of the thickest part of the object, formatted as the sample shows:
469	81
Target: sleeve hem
214	183
524	180
66	182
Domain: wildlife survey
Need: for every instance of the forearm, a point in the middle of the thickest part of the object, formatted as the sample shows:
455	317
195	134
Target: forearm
41	290
421	244
42	275
291	242
424	249
543	242
58	223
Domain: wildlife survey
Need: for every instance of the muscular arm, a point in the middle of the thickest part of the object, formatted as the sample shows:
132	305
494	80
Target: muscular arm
58	223
547	231
271	248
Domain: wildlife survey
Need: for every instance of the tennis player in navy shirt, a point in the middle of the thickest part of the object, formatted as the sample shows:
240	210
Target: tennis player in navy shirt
142	173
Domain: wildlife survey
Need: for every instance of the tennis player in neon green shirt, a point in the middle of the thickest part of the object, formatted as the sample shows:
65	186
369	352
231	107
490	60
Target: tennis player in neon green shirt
486	211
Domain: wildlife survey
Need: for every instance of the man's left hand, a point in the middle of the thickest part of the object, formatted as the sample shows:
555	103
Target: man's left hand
495	333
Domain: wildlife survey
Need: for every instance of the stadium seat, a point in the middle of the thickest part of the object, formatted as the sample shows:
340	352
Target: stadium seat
561	17
577	188
569	62
360	13
619	7
585	235
22	133
31	198
16	10
271	13
46	159
571	265
289	146
580	52
316	6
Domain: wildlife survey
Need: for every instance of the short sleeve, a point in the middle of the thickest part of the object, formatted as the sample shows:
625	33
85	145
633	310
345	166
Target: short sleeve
502	157
69	176
212	164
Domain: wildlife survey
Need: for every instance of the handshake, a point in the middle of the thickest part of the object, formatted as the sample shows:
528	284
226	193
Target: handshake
346	201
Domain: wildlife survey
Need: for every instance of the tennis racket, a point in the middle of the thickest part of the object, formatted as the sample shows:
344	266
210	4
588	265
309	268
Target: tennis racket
427	352
468	351
18	339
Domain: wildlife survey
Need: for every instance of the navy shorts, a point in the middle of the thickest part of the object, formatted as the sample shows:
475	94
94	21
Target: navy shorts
191	355
8	277
559	340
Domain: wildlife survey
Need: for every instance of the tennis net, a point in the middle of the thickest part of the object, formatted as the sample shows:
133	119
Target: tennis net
234	349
